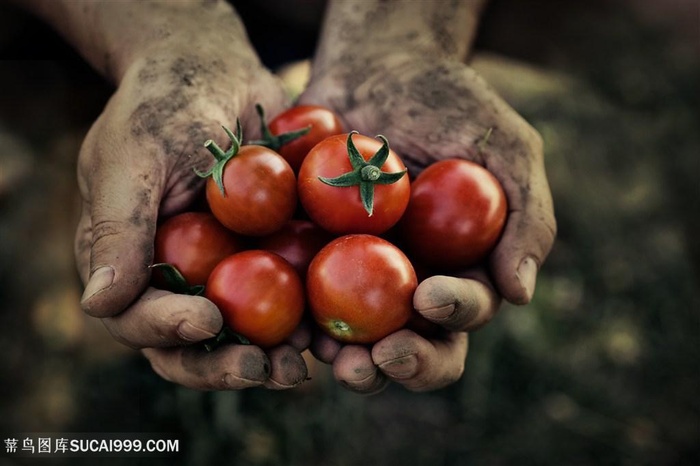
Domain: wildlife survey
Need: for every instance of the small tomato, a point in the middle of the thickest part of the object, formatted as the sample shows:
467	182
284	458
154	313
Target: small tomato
294	132
251	189
193	243
360	288
298	241
259	294
351	183
455	216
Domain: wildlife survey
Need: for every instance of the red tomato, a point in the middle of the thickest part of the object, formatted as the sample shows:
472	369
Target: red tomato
455	216
256	192
320	121
259	294
360	288
298	241
193	242
343	209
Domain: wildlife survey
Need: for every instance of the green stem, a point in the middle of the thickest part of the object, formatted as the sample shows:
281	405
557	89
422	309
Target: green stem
176	282
226	335
222	157
214	148
272	141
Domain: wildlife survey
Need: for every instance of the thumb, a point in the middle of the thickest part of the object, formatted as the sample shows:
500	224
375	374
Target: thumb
527	239
114	244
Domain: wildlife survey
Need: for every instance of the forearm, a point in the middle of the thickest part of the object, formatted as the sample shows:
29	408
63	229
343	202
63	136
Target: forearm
111	35
437	29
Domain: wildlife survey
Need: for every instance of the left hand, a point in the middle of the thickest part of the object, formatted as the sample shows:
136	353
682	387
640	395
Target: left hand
432	109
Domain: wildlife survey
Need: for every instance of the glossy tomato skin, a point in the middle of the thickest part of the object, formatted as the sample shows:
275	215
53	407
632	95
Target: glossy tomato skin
340	210
259	192
360	289
259	294
324	123
455	216
193	242
298	241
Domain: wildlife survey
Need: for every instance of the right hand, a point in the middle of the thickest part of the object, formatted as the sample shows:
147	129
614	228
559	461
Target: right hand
136	164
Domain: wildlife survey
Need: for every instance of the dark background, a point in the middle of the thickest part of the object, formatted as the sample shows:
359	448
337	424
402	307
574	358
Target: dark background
602	368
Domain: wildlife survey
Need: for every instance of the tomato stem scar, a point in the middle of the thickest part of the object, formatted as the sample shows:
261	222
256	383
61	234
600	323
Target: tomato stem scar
340	326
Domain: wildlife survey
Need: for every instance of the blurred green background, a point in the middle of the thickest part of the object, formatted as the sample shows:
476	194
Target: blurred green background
602	368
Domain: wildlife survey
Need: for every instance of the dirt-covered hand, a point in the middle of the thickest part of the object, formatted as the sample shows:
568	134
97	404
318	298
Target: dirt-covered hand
136	165
432	110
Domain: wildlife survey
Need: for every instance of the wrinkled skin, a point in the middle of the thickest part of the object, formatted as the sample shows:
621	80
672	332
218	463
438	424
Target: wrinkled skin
178	80
135	165
432	108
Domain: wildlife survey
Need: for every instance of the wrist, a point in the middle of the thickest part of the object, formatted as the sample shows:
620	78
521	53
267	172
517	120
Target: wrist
370	30
114	36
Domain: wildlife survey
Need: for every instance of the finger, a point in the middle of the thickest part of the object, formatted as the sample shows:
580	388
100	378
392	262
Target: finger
230	367
528	235
323	347
300	339
118	229
83	240
121	249
354	369
457	304
419	364
161	319
288	368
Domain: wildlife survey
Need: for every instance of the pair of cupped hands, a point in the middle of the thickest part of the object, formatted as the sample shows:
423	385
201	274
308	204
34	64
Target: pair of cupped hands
137	165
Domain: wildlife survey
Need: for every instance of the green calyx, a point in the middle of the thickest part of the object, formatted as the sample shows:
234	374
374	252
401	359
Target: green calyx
275	142
365	173
217	170
176	282
225	336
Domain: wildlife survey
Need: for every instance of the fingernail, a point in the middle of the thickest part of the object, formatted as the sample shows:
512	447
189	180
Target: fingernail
189	332
438	313
401	368
100	280
298	378
527	275
377	383
235	382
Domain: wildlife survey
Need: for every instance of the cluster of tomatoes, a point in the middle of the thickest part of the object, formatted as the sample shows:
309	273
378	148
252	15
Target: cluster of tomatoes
313	217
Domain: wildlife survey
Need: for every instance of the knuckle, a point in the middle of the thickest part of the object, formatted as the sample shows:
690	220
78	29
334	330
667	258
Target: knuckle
532	139
466	313
105	229
536	140
547	232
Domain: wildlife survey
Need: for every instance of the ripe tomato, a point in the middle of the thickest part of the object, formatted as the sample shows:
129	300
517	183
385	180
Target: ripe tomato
252	189
455	216
351	183
259	294
193	242
294	132
298	241
360	288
